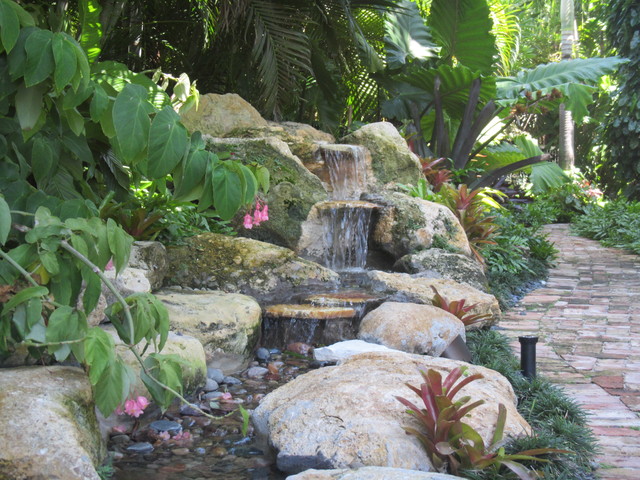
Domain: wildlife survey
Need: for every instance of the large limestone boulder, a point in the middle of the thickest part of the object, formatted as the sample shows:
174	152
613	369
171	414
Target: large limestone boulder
412	328
391	159
241	265
128	282
345	349
219	115
190	350
222	322
294	190
151	258
370	473
48	425
354	419
408	224
438	263
412	288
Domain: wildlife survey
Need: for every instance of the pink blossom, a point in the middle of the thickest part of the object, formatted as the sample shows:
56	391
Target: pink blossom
119	428
183	436
135	407
164	436
109	265
119	410
248	221
142	402
226	397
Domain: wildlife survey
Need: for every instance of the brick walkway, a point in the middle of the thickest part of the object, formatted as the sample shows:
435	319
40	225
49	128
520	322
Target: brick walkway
587	317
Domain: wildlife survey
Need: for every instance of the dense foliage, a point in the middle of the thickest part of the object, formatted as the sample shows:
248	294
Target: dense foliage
621	170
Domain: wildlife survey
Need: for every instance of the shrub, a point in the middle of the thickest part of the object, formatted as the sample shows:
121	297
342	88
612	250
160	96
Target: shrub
617	224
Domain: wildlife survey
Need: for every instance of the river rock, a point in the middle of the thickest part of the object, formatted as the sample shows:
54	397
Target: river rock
192	356
348	348
242	265
222	322
48	424
403	287
220	115
438	263
151	258
370	473
391	159
408	224
412	328
293	189
354	420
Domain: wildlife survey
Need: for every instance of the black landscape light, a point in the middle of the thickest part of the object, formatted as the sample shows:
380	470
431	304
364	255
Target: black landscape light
528	355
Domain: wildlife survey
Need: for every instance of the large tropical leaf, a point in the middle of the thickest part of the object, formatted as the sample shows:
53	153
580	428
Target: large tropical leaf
463	29
408	37
454	86
557	75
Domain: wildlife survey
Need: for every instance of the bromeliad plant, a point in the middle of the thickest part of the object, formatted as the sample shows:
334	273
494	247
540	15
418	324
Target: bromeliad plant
471	207
453	445
457	308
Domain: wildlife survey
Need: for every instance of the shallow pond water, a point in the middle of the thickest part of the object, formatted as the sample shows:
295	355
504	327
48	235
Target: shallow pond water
212	449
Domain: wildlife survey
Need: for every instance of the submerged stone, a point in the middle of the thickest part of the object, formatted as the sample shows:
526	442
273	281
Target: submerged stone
166	426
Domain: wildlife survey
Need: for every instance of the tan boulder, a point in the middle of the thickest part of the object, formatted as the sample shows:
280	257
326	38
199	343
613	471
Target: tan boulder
412	328
151	258
222	322
408	224
354	419
219	115
48	425
414	288
370	473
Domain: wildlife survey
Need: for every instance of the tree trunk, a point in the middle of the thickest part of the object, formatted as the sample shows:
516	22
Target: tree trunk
566	157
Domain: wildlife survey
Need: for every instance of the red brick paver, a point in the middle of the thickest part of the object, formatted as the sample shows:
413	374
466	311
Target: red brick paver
587	317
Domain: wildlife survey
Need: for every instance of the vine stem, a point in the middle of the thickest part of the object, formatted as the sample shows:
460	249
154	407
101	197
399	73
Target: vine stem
121	300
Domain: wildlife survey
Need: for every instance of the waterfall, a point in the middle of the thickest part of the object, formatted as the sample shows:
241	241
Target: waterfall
347	170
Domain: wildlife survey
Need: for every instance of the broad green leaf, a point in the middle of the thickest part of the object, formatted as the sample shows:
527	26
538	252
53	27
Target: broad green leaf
227	191
167	143
61	327
43	161
112	387
18	56
72	99
90	27
29	106
19	320
23	296
65	61
99	352
66	286
5	221
40	61
99	103
83	74
249	183
80	245
554	75
264	178
206	199
166	369
9	26
119	244
131	119
191	175
547	176
75	121
50	262
463	29
34	312
26	20
577	98
407	36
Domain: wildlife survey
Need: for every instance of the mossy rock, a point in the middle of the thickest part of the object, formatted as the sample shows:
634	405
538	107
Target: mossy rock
294	190
407	225
242	265
391	159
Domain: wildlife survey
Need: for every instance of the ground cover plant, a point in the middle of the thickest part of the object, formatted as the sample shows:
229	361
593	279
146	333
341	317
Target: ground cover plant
558	422
616	224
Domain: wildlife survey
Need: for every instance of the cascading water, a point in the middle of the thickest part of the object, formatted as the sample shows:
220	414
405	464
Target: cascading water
346	219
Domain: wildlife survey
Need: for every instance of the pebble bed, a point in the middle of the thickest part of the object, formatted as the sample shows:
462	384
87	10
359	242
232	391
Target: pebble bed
184	444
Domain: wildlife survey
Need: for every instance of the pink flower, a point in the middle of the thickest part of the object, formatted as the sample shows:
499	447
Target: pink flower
142	402
183	436
119	429
109	265
248	221
119	410
164	436
135	407
226	397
